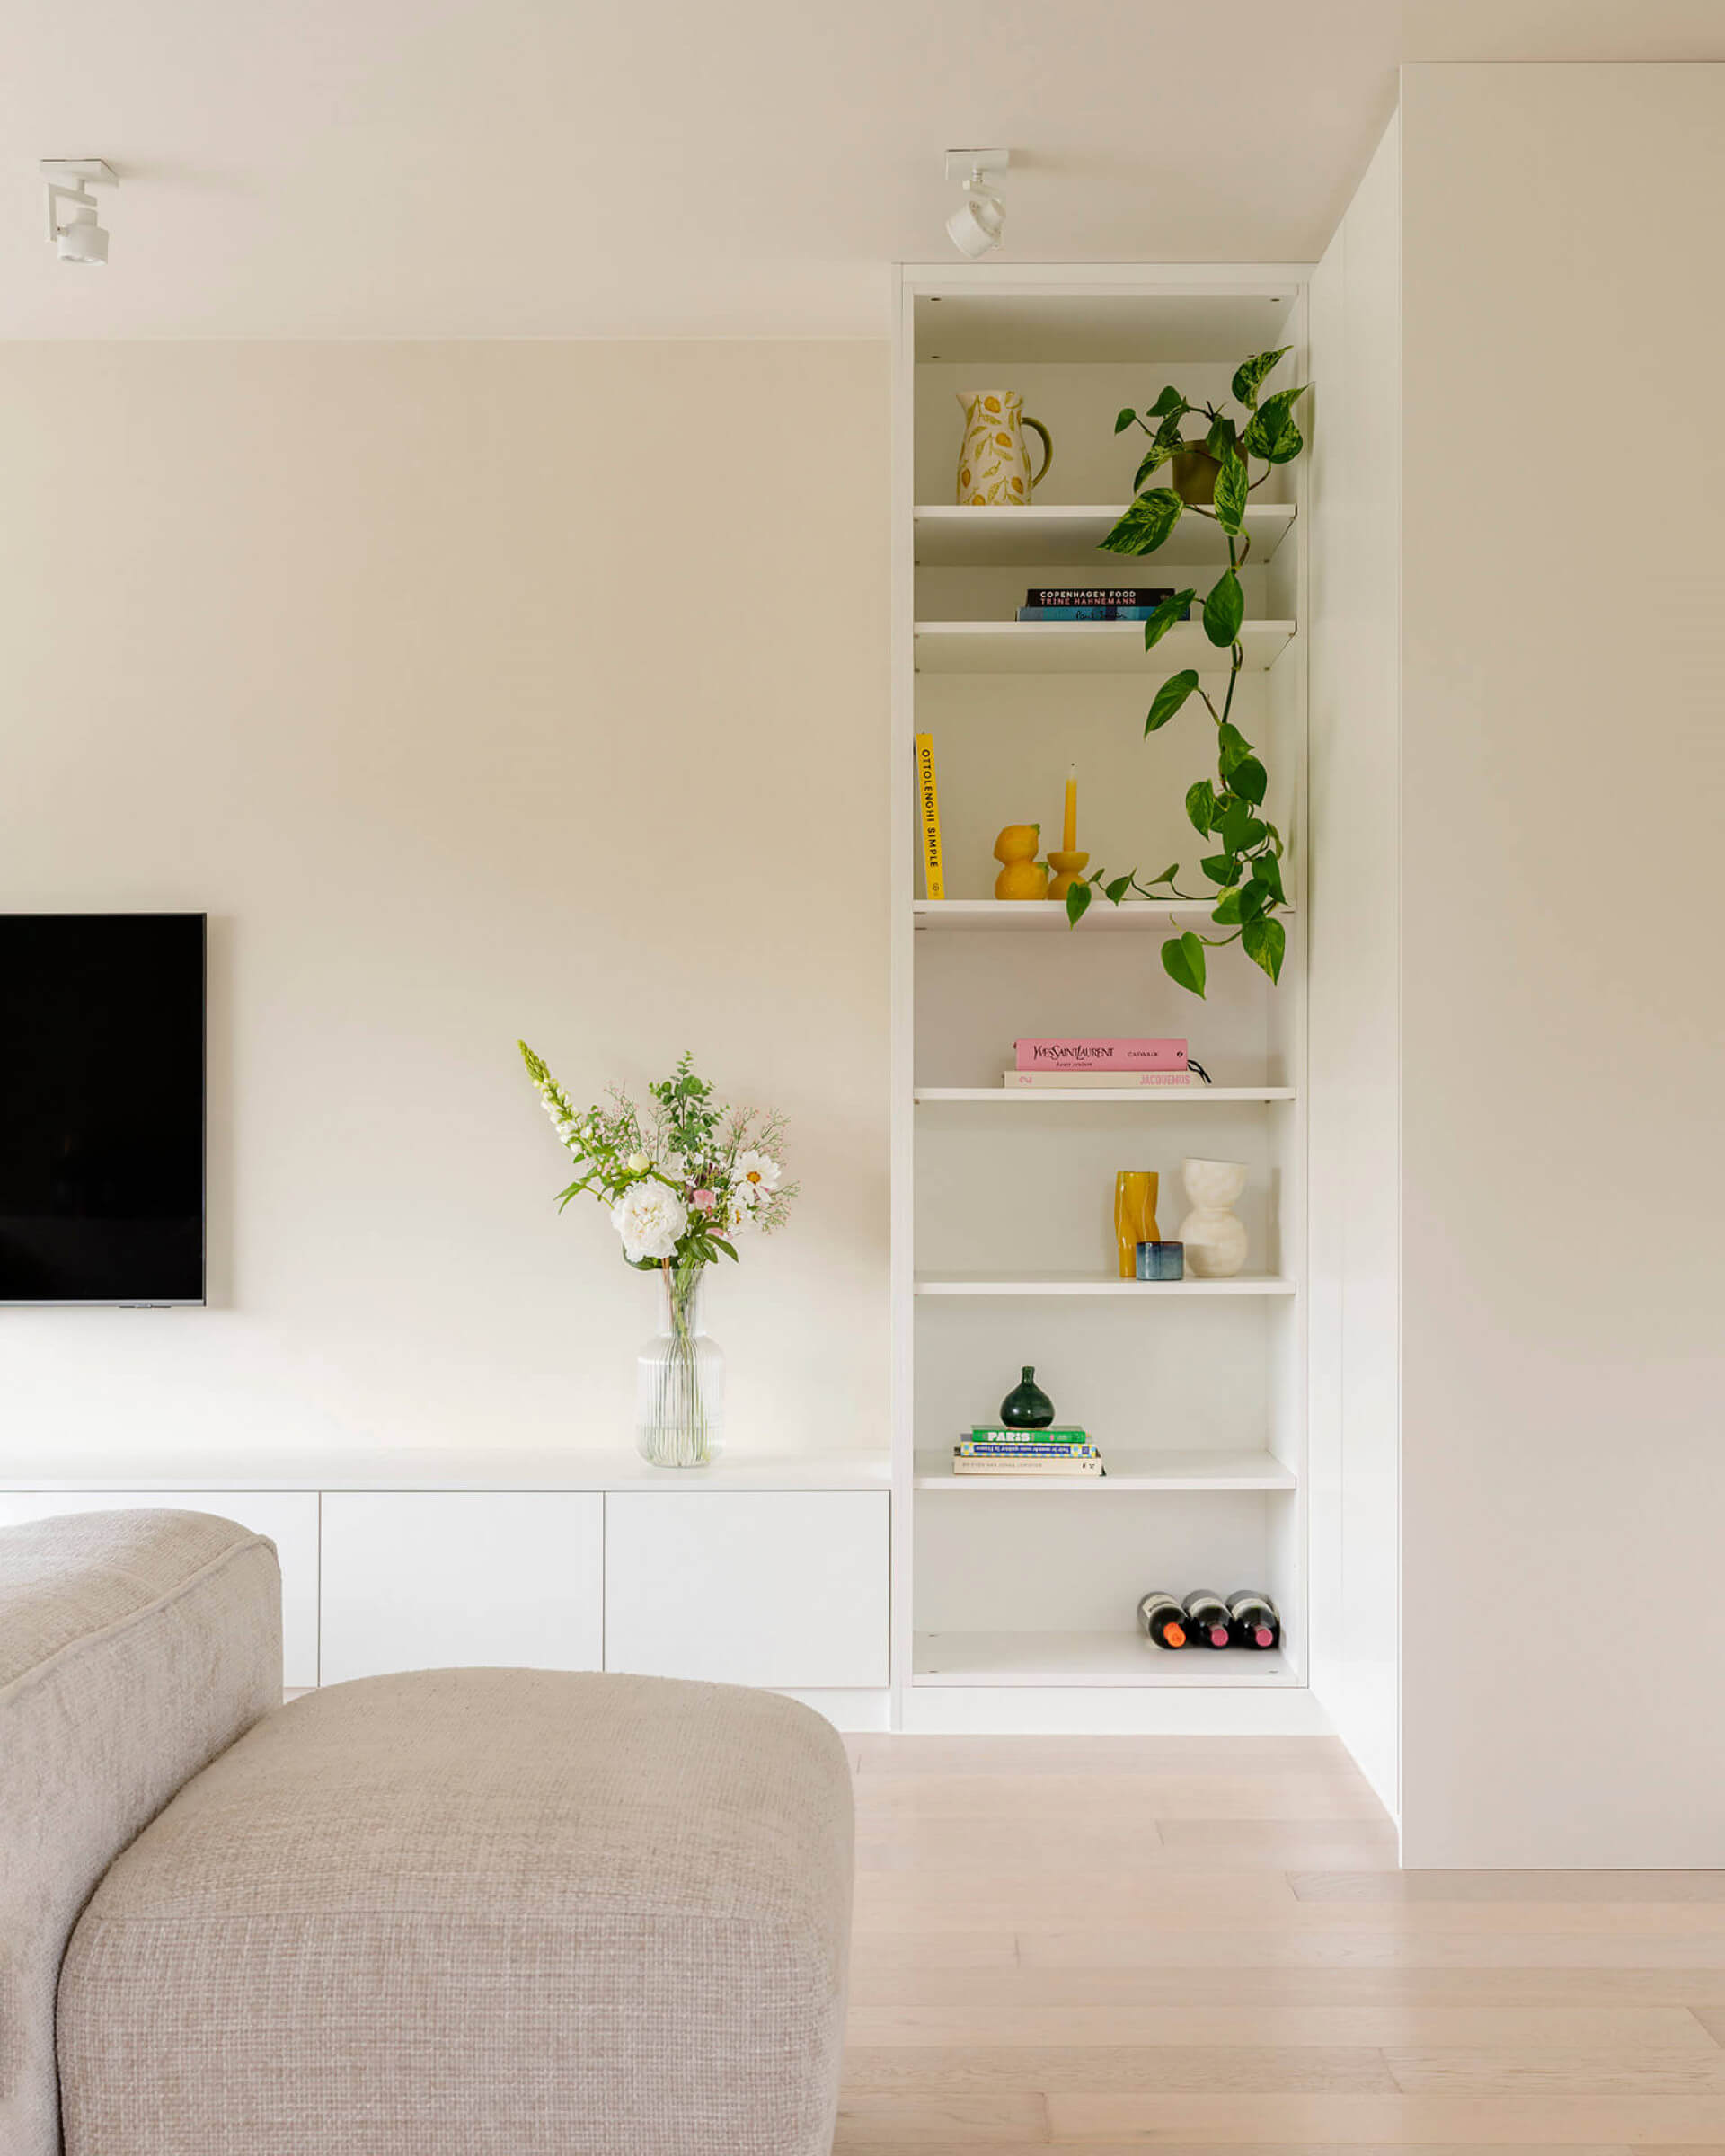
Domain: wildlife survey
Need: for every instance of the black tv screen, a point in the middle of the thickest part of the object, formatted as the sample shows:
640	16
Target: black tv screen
101	1107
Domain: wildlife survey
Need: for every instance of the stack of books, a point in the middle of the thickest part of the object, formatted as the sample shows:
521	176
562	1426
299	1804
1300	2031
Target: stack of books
1098	1062
1095	603
990	1449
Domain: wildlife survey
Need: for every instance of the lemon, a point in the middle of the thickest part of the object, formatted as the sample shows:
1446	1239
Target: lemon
1023	879
1018	843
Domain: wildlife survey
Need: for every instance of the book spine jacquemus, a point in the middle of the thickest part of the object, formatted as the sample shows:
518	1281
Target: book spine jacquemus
929	800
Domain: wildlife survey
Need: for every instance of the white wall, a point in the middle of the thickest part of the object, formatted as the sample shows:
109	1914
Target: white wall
476	690
1563	776
1354	1050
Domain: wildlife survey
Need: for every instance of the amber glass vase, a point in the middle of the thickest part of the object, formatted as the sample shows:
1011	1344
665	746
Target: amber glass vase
1134	1215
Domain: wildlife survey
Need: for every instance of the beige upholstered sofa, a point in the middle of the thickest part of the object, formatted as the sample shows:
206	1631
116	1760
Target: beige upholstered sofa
460	1913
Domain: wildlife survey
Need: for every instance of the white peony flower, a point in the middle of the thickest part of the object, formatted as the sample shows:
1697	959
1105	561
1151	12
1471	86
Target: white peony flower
650	1218
757	1173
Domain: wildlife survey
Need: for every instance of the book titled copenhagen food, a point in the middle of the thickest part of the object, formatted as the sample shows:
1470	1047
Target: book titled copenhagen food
928	800
1098	595
1095	603
1098	1052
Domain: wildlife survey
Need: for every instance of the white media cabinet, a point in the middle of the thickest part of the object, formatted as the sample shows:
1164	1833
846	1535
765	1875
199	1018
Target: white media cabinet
768	1572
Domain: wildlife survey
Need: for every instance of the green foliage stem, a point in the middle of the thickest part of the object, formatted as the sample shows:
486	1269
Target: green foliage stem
1246	868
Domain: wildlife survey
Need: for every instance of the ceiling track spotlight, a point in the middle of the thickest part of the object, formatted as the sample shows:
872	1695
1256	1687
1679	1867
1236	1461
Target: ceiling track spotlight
980	219
78	237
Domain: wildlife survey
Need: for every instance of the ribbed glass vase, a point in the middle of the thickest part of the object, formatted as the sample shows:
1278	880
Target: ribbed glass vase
680	1379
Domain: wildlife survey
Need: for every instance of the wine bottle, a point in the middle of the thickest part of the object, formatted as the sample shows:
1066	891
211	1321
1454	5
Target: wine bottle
1252	1618
1207	1619
1162	1619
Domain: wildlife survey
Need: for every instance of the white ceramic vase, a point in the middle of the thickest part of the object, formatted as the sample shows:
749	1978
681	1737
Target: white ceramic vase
1214	1240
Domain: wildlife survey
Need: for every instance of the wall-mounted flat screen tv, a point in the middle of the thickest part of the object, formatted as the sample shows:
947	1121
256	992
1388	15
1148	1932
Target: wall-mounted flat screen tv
101	1107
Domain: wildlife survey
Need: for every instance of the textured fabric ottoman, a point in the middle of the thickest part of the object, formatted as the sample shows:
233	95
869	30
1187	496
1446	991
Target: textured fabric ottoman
134	1646
477	1913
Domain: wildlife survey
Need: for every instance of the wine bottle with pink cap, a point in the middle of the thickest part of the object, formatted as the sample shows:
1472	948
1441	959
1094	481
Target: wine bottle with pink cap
1253	1621
1208	1619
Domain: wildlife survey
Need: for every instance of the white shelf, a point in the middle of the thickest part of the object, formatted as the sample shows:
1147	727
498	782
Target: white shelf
1087	648
1159	914
951	537
1127	1470
1122	1657
1184	1096
1096	1284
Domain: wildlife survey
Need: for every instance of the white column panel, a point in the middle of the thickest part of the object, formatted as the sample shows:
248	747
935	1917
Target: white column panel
461	1579
1564	765
780	1588
1354	958
288	1516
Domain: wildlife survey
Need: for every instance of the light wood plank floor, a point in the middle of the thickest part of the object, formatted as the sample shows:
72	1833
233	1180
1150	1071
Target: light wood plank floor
1197	1943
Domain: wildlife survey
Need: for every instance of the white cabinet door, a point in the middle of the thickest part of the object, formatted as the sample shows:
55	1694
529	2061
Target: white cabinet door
461	1579
288	1516
777	1588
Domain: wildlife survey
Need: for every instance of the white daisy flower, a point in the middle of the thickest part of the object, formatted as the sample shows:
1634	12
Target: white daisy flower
757	1172
650	1218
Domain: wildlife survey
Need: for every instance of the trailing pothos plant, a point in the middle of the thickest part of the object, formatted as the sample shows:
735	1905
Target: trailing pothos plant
1245	866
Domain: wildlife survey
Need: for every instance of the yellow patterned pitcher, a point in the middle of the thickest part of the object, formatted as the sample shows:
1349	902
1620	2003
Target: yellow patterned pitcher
994	464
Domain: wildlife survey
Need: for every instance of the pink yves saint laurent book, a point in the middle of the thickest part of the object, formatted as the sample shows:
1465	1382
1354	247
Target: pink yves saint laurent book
1027	1081
1097	1053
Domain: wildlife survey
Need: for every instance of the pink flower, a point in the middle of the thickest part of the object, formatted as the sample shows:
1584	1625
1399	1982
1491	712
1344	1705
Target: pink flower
706	1200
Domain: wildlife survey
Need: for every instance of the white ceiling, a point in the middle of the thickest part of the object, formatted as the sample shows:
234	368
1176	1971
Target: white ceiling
558	168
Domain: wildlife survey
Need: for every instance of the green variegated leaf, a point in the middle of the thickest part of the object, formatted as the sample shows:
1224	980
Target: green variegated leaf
1266	942
1182	961
1248	779
1231	748
1077	903
1231	485
1169	401
1154	458
1200	806
1241	830
1123	419
1227	910
1267	870
1162	620
1222	436
1271	433
1146	522
1169	698
1250	374
1225	609
1253	898
1221	868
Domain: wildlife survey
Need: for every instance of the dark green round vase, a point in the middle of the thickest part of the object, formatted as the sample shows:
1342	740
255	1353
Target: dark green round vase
1027	1407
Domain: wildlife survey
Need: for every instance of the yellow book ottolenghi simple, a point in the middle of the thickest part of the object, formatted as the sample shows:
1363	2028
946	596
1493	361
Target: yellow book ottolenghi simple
934	875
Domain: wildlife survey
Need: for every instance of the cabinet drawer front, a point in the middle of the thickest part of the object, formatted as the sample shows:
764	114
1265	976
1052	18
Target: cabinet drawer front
458	1580
780	1588
288	1516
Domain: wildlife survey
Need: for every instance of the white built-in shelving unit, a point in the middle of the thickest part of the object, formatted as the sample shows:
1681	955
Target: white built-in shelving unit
1014	1600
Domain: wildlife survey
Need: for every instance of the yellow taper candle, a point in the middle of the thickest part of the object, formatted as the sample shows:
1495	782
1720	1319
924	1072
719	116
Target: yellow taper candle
1069	836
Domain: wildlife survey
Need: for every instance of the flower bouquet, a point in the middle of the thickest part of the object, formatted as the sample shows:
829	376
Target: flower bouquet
683	1180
